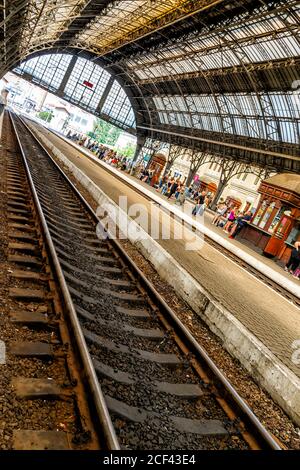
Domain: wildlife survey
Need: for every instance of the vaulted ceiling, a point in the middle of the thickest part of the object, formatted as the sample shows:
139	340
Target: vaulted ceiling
222	73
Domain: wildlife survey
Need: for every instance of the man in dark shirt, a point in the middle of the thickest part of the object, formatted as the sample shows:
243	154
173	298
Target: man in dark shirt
240	223
173	189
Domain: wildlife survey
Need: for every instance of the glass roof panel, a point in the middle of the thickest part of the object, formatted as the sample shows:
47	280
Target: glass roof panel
45	21
240	43
249	113
84	86
125	18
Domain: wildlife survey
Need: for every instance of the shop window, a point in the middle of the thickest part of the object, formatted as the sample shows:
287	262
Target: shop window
265	218
259	213
282	227
294	235
275	220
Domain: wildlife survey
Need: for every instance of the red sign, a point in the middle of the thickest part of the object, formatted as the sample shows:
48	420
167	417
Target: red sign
88	84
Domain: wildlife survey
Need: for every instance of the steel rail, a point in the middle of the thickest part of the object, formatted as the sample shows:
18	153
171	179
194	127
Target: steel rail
99	401
260	432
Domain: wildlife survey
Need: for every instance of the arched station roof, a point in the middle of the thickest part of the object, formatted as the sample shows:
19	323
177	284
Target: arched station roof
83	83
221	75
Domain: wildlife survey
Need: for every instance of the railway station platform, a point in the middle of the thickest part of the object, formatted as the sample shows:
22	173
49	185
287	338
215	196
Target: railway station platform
292	284
255	323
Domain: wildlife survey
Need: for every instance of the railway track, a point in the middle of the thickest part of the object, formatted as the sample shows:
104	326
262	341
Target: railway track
159	385
51	404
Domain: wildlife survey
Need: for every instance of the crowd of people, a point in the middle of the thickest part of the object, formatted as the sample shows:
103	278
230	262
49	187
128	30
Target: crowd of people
101	151
174	188
232	221
229	218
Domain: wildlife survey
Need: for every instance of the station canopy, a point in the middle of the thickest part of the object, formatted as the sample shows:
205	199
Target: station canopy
222	75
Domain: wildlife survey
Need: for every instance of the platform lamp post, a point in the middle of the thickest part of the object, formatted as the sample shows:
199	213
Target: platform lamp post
50	115
66	123
86	85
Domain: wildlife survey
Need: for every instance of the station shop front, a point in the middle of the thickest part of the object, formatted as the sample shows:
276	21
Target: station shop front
275	226
156	166
203	183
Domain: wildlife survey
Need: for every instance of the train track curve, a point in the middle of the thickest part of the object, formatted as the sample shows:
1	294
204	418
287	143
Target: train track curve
156	386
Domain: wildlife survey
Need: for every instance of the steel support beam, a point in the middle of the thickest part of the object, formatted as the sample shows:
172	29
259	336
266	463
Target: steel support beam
105	95
246	154
62	86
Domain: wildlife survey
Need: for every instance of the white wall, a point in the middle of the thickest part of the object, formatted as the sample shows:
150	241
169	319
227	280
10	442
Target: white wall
59	119
80	121
124	139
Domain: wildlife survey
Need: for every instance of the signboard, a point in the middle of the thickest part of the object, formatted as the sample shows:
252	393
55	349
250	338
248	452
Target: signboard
146	158
88	84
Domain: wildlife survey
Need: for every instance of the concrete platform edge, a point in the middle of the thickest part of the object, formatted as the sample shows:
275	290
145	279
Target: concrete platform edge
281	383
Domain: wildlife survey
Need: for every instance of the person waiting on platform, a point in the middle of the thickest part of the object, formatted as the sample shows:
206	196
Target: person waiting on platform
294	261
173	189
170	181
296	274
144	175
3	99
180	200
165	187
206	204
199	203
160	183
179	187
240	222
230	219
188	191
114	161
221	211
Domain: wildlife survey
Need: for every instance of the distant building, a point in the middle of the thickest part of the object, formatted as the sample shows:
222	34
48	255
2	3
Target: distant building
3	91
79	121
60	118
